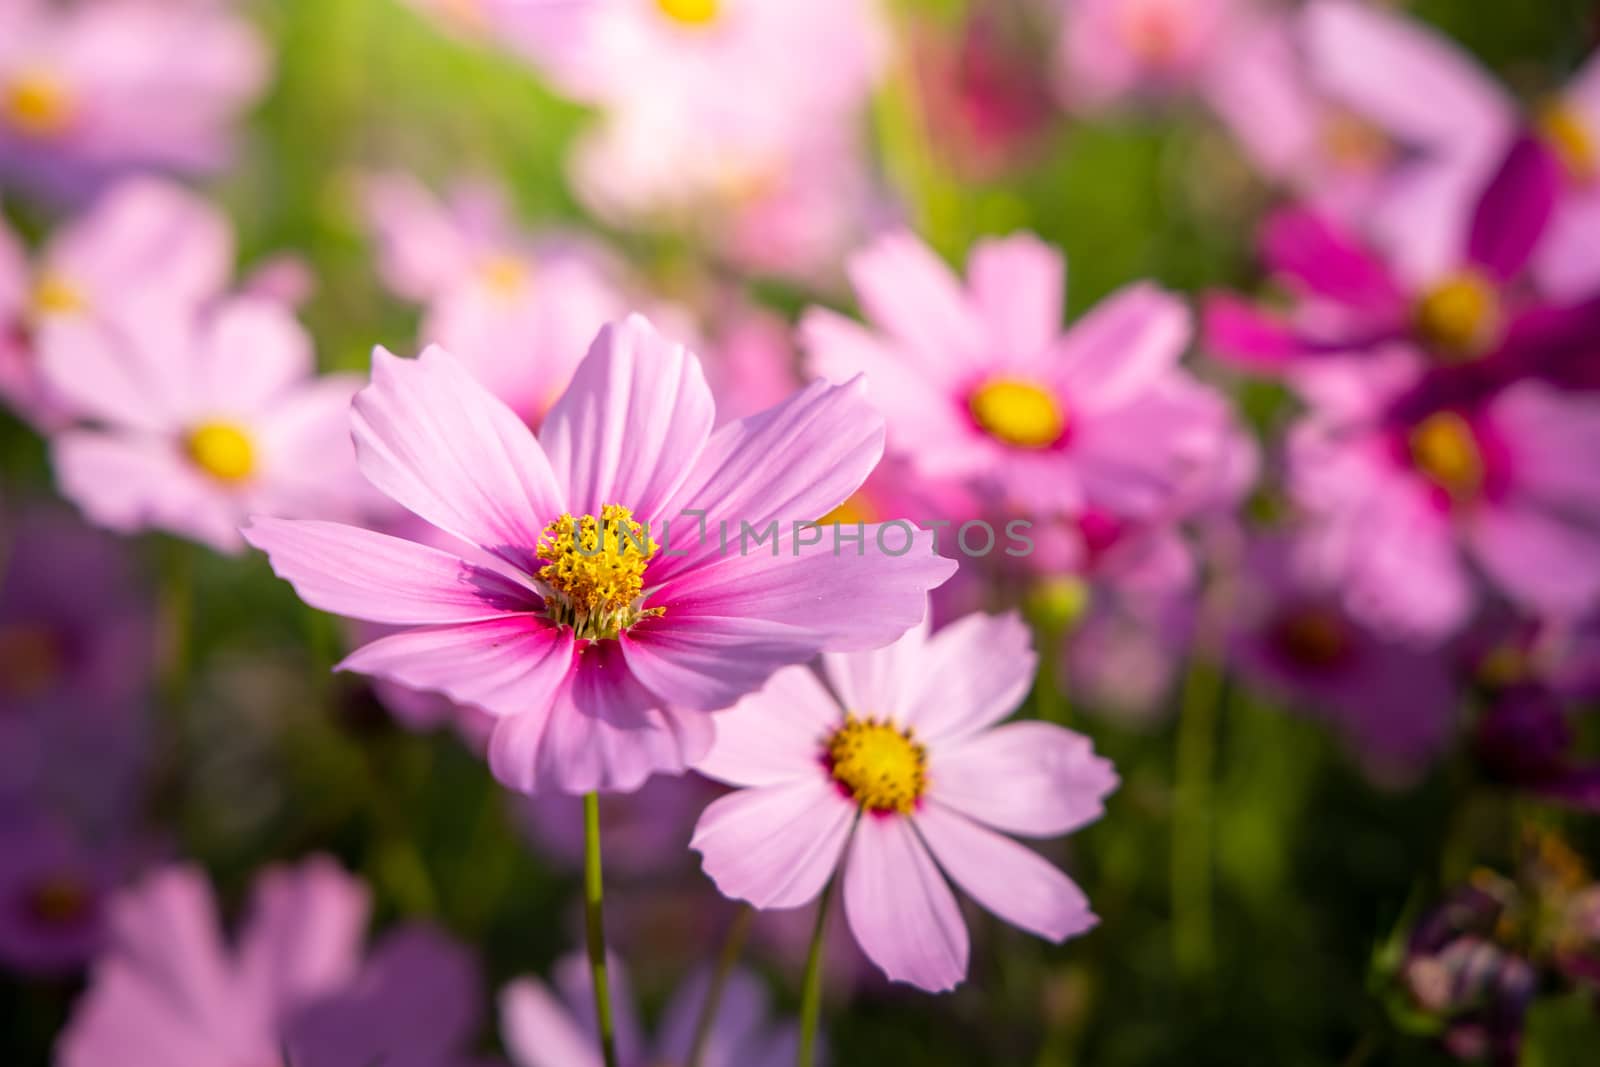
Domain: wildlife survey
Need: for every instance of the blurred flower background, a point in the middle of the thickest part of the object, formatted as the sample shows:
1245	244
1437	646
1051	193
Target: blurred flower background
1242	355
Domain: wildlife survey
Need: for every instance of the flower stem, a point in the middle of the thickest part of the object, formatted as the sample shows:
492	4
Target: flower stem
595	926
1192	936
811	989
732	945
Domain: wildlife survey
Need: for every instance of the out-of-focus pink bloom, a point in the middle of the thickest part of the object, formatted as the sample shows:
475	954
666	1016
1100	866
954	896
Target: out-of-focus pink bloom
1111	49
545	1028
644	833
1122	659
75	640
600	647
1569	126
753	364
1397	506
896	774
170	990
146	245
978	382
52	893
88	90
1394	702
203	418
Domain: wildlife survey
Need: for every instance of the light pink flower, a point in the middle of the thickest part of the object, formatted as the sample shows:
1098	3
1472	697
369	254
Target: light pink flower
170	992
1111	49
1399	508
545	1028
603	659
978	381
897	773
145	243
92	89
200	419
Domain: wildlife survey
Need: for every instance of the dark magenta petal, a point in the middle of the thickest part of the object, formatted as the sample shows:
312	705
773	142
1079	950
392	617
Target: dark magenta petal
1514	209
1329	261
1236	332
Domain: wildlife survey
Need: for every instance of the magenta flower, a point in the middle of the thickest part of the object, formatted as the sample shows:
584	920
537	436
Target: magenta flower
542	1028
144	243
601	647
1111	49
897	773
1397	507
169	990
202	418
52	894
90	90
978	382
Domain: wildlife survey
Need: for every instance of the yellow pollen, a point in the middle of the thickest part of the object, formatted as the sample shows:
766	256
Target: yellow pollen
54	295
1445	450
37	104
594	570
856	509
1354	143
691	12
1459	316
223	450
58	900
1018	412
883	768
504	274
1565	131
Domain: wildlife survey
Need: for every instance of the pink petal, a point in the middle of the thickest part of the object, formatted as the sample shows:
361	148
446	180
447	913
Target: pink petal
305	933
881	682
434	440
908	292
366	575
508	666
538	1031
1552	439
1545	561
774	846
900	910
1329	261
1008	879
1017	283
1235	332
774	735
1565	264
1031	778
1515	209
130	484
970	674
1129	340
96	375
252	351
629	427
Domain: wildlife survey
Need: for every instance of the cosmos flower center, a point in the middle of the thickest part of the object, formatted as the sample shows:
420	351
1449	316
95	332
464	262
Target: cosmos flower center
882	767
1459	315
1154	32
594	569
30	659
1564	130
1018	412
691	12
37	103
54	295
58	900
1445	449
1353	143
223	450
504	274
1312	637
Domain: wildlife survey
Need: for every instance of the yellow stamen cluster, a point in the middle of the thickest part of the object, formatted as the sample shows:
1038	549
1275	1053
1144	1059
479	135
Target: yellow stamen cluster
1019	412
58	900
1459	316
1565	131
36	103
691	12
223	450
1445	450
54	295
594	571
882	768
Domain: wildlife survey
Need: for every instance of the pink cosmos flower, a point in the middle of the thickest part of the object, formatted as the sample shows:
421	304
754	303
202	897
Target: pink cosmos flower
600	647
170	991
897	773
542	1028
201	418
145	242
1397	507
977	382
92	89
52	893
1110	49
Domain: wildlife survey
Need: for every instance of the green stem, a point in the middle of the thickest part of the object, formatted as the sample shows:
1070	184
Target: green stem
732	945
595	925
811	989
1192	936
